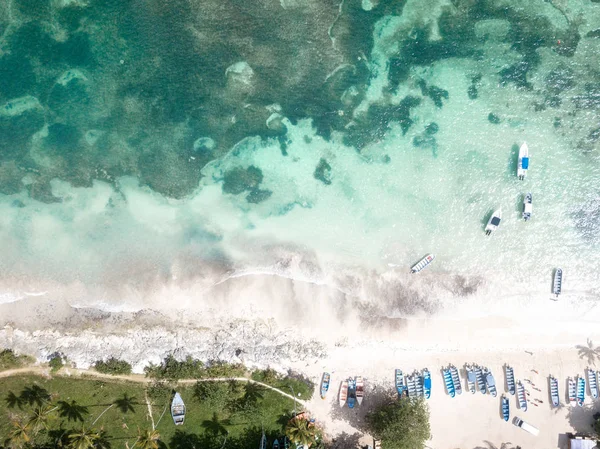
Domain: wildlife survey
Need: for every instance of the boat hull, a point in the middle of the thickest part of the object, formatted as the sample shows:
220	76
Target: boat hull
426	384
325	384
510	380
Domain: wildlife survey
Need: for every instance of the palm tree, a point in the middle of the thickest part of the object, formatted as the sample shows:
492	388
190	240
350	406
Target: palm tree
252	392
19	436
84	439
39	418
35	395
148	439
72	410
300	431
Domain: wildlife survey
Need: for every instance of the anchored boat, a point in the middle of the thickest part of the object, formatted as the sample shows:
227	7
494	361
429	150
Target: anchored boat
554	391
455	379
523	164
572	390
491	383
521	398
325	384
471	378
493	222
425	261
557	284
510	379
580	391
527	206
178	410
505	408
343	393
480	380
400	387
360	390
448	382
426	383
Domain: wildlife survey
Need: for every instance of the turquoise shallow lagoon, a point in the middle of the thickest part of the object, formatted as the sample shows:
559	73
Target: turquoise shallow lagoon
153	153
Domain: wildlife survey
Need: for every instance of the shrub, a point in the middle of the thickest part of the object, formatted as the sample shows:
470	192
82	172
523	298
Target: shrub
214	395
56	362
173	369
402	424
10	360
112	366
224	369
293	383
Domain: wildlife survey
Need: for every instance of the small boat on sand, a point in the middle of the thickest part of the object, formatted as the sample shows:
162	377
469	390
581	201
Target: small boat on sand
343	393
554	391
510	379
360	390
523	163
505	408
351	393
471	378
419	384
527	206
572	390
480	380
521	397
580	391
276	444
426	383
592	382
400	387
448	382
263	441
493	222
178	410
456	379
491	382
325	384
411	384
425	261
557	284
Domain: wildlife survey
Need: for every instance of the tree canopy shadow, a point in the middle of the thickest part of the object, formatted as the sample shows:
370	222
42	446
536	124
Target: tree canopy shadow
490	445
375	396
582	418
215	425
346	441
589	352
72	410
126	403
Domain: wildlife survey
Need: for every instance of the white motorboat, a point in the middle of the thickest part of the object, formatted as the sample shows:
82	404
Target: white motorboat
425	261
493	222
523	164
527	206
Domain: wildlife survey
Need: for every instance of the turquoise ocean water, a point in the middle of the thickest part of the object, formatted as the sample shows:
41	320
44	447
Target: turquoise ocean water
148	147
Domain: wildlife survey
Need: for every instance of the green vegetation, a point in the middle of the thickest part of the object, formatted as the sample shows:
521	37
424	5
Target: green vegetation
65	412
112	366
302	432
173	369
293	384
10	360
402	424
56	362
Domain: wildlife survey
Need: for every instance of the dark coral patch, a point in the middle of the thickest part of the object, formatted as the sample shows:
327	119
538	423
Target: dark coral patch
323	172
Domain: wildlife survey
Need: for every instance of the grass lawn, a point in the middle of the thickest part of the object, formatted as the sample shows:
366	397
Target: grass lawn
205	422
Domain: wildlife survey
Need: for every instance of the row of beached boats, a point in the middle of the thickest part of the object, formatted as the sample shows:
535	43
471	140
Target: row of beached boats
415	385
352	391
284	444
477	378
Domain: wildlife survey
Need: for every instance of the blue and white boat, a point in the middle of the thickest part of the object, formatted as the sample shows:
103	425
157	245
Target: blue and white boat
471	379
480	380
400	387
425	261
276	444
325	384
554	395
456	379
419	381
572	391
263	441
491	382
426	383
523	164
505	408
557	284
521	397
493	222
580	391
411	384
527	206
448	382
510	379
593	383
351	393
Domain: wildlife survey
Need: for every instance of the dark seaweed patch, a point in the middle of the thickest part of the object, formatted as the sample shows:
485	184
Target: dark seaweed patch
17	77
239	180
16	132
593	33
517	75
433	92
257	196
560	79
472	92
323	172
432	128
398	72
493	118
590	99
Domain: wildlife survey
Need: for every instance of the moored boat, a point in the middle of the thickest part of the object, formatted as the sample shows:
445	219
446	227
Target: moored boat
456	379
521	397
480	380
425	261
343	393
510	379
505	408
523	163
527	206
426	383
325	384
572	390
400	387
491	382
178	410
471	378
557	284
580	391
554	395
493	222
351	393
448	382
360	390
593	383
